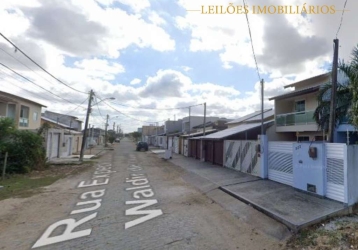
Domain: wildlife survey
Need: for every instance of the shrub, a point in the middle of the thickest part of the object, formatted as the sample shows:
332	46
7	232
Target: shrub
25	149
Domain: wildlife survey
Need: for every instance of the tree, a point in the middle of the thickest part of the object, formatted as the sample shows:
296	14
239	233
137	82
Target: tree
343	102
351	70
346	97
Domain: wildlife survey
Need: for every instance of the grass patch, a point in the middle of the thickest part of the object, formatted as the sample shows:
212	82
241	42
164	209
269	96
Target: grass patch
20	186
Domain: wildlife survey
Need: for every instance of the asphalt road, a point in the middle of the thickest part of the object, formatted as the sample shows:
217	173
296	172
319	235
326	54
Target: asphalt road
129	200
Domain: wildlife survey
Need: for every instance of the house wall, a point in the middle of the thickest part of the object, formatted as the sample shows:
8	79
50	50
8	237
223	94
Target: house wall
33	108
272	135
3	107
286	106
312	82
173	126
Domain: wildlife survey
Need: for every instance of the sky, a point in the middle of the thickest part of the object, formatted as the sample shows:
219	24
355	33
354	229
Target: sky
156	55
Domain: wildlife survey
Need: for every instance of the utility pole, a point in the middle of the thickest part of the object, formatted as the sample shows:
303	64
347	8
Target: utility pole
189	119
105	132
332	120
204	117
262	107
202	142
114	125
86	124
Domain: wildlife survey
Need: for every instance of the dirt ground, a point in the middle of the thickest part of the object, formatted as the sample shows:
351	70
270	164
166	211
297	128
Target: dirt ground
339	233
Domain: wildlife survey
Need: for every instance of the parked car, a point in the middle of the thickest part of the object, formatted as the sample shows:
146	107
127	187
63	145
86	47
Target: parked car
142	145
117	140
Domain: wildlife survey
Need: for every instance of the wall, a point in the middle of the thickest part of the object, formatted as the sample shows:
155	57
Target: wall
272	135
312	82
3	107
32	109
173	126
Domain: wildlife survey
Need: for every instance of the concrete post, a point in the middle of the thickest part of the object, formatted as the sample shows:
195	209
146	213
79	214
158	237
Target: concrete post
263	156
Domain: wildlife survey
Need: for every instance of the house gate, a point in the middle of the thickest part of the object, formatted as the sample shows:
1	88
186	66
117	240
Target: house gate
335	171
176	145
242	156
185	147
280	162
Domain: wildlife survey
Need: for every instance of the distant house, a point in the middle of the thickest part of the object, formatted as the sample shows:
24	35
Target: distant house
70	121
220	124
60	139
25	112
189	122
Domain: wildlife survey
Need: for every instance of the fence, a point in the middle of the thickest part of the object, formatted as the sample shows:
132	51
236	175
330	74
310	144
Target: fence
242	156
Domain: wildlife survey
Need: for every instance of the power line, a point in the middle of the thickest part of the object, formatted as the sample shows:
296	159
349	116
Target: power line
130	116
34	82
252	44
15	83
24	64
98	109
339	28
40	65
157	108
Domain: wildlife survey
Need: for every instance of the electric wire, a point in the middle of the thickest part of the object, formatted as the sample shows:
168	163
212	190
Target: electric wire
34	82
156	108
17	48
129	115
340	25
4	51
252	45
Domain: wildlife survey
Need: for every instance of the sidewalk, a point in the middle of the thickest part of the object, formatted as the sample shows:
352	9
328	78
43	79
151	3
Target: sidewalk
283	203
89	154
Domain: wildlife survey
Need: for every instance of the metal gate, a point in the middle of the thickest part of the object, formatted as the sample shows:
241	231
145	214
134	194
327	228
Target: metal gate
198	149
185	147
218	152
280	162
242	156
209	153
176	145
335	188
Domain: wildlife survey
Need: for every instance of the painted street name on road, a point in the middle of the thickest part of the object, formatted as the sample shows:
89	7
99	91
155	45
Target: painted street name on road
100	177
140	189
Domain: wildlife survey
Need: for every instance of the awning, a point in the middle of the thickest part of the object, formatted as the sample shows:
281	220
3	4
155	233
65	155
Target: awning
233	131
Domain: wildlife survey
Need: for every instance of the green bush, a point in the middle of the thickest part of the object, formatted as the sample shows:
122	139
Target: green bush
25	149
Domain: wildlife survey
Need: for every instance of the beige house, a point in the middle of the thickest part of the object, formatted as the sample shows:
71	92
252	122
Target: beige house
294	110
26	113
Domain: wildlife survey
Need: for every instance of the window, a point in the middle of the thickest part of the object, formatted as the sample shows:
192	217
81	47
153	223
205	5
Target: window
11	111
300	106
35	115
24	116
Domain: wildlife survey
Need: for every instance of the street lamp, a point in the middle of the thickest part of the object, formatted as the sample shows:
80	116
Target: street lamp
86	123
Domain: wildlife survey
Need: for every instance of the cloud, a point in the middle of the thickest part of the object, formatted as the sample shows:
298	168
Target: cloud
135	81
62	25
166	83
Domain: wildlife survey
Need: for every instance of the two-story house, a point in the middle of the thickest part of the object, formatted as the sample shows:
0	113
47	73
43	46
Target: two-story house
25	112
294	110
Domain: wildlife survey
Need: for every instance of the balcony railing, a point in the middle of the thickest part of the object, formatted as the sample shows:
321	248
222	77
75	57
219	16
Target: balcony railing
298	118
